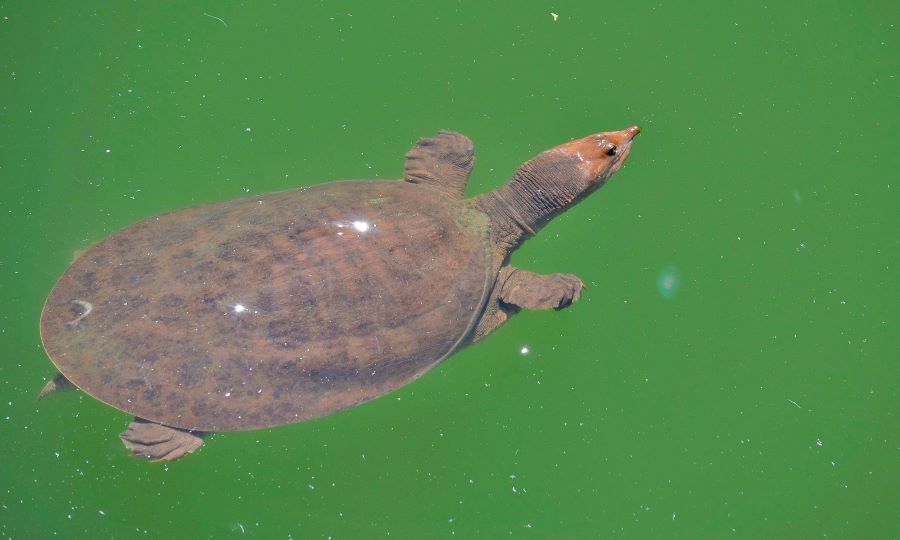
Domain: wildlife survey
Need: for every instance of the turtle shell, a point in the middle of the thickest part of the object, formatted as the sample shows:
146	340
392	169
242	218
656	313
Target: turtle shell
272	309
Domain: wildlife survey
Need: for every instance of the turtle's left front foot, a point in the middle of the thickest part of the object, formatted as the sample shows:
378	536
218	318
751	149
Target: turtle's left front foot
157	442
535	291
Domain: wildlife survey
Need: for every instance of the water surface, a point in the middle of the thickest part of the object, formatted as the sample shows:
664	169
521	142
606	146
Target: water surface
731	371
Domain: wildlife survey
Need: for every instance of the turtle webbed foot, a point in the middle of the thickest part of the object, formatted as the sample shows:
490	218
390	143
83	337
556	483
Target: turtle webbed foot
536	291
59	383
562	290
157	442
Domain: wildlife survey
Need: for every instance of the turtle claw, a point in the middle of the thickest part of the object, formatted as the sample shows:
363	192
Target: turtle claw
157	442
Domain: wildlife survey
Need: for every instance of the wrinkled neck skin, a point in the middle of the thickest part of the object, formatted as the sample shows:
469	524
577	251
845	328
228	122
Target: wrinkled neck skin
532	197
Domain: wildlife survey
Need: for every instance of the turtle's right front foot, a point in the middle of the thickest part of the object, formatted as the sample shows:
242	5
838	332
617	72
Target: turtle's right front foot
157	442
536	291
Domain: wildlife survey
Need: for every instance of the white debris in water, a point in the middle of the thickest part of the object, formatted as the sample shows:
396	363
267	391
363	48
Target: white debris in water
524	350
361	226
239	308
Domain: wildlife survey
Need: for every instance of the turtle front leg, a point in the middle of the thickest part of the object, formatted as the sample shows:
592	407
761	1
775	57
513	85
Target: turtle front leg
528	290
442	162
157	442
517	289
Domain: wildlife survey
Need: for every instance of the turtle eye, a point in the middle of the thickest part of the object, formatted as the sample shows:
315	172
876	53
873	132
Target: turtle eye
612	150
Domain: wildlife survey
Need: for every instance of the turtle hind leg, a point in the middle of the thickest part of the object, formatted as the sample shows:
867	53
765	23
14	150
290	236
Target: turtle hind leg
157	442
59	383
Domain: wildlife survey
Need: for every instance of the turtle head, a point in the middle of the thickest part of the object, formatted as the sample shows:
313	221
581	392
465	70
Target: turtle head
560	177
597	157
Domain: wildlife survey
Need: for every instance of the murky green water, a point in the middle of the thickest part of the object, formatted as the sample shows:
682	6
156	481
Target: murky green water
731	372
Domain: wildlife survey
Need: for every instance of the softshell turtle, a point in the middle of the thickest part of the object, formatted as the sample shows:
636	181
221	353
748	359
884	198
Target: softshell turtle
288	306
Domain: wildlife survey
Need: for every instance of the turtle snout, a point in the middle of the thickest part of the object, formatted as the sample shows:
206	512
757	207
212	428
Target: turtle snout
620	138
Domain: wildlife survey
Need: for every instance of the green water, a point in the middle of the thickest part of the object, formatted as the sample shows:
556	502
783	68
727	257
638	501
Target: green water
731	372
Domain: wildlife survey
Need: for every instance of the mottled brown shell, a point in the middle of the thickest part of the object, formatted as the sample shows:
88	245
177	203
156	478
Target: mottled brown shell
272	309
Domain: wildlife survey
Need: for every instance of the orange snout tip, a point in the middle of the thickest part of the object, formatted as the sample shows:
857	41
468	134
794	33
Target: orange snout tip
624	136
